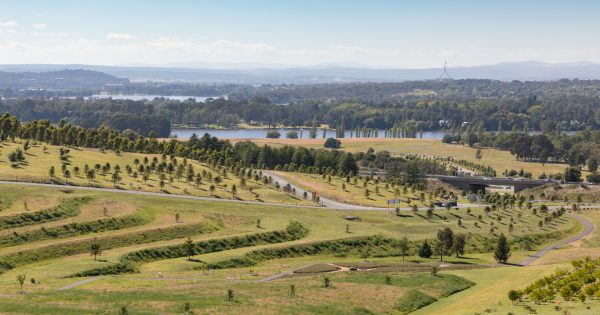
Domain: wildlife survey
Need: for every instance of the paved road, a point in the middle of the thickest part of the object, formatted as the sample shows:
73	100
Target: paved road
329	203
147	193
588	228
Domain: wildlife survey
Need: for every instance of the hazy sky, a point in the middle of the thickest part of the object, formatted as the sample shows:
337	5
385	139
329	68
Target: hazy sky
410	34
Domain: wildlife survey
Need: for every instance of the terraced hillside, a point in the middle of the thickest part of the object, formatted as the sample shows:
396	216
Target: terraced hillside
132	171
155	254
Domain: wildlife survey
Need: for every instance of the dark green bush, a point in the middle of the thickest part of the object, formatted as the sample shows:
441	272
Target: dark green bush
67	208
73	229
294	231
108	242
107	270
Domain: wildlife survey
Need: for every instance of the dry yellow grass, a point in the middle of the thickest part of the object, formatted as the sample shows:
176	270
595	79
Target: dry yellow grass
499	160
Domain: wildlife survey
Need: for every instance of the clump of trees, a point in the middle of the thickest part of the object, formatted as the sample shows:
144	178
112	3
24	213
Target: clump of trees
579	283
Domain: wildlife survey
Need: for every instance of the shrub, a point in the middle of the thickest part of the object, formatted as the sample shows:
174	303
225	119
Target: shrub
73	229
332	143
273	134
67	208
107	270
13	260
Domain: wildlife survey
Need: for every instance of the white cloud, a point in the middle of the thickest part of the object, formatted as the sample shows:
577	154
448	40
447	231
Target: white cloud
8	27
7	24
40	26
120	36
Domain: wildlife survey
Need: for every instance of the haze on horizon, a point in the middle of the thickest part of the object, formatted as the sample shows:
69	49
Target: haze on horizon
404	34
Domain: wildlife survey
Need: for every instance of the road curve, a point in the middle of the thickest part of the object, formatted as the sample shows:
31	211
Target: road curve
329	203
588	228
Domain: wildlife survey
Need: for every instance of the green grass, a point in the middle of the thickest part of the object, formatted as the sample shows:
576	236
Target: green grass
498	159
38	162
413	300
52	260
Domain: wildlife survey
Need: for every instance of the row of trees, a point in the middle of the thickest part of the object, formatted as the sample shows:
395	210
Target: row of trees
207	148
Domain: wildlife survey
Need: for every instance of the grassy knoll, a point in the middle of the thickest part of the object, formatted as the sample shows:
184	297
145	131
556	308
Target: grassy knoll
161	235
499	160
39	161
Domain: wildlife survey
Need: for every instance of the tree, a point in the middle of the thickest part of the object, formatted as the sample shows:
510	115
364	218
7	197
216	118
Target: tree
478	154
458	244
514	295
444	244
502	250
190	248
292	134
332	143
326	282
425	250
90	174
95	248
273	134
51	172
21	279
572	174
115	178
403	247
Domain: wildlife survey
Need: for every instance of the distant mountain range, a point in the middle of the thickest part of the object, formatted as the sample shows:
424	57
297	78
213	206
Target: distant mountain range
507	71
57	79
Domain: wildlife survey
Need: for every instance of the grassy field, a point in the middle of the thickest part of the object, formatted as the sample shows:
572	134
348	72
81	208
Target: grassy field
499	160
181	282
38	161
355	193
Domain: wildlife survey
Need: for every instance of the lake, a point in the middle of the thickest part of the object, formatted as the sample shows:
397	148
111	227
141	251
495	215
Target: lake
262	133
135	97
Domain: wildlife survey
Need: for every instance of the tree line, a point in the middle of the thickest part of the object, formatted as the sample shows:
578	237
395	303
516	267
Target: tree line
206	149
401	109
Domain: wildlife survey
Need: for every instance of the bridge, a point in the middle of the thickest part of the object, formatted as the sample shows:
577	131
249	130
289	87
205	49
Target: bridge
477	183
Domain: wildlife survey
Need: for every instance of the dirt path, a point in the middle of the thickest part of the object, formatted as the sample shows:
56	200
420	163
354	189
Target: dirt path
588	228
78	283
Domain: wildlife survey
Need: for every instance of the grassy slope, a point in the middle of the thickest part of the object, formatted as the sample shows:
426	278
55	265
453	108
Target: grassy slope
355	194
499	160
38	163
143	293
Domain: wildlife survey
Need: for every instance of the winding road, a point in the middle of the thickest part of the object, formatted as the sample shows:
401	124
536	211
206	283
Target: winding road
588	228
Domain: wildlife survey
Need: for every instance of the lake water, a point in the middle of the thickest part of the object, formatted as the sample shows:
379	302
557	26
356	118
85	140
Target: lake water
302	133
133	97
262	133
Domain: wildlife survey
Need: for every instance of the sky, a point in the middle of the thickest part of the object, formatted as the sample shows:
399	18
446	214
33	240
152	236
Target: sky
254	33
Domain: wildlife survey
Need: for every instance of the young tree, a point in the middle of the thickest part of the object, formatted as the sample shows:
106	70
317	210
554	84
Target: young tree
326	282
502	250
514	295
444	244
190	248
425	250
21	279
403	247
478	154
458	244
90	174
51	172
95	249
